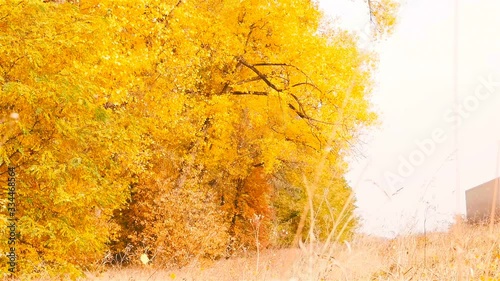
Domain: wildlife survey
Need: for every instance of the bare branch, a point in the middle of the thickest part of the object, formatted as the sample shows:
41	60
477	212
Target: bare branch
304	116
300	111
260	74
256	78
287	65
308	84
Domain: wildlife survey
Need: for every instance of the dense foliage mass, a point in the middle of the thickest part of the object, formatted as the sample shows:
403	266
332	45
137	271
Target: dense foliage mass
178	129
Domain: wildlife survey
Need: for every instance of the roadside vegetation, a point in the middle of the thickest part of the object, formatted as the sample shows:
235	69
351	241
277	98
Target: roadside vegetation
463	253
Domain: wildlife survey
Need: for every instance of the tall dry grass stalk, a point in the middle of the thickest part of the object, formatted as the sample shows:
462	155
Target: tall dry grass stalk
316	251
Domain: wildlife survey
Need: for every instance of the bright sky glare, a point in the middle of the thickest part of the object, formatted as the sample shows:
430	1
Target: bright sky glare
412	150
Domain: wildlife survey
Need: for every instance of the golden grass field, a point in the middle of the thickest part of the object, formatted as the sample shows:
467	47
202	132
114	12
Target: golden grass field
465	252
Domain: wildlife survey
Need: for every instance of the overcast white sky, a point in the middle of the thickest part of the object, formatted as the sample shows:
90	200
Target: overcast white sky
413	148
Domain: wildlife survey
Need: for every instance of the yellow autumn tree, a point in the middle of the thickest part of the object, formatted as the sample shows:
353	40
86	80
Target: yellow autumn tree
75	153
255	85
169	125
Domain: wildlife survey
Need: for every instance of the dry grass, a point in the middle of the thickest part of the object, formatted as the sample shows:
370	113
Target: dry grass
463	253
